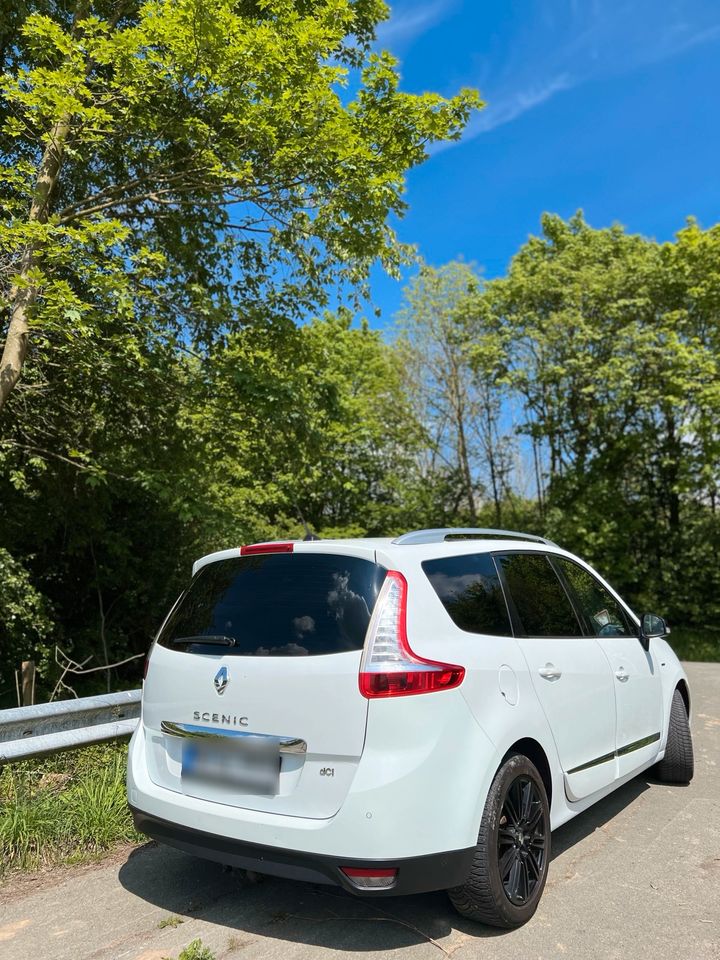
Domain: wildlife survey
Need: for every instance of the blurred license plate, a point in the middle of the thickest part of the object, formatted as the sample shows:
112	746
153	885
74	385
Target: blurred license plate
251	767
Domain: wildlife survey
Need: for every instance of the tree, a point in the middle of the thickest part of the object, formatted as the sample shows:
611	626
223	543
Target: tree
306	428
165	161
612	348
435	340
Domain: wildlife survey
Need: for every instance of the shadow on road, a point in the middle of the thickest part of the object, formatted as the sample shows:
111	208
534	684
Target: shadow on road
317	915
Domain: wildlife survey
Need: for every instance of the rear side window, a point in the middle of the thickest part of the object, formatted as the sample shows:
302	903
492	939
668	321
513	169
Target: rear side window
470	590
604	615
540	600
277	605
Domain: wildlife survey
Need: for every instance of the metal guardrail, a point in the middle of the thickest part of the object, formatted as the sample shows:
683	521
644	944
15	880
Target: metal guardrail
45	728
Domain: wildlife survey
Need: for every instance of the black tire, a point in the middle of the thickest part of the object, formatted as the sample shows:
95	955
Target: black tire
678	764
507	851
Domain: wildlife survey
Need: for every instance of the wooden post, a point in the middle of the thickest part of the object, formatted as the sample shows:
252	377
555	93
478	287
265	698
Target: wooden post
28	682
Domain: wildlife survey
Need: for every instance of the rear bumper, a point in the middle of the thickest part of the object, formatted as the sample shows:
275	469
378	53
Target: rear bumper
436	871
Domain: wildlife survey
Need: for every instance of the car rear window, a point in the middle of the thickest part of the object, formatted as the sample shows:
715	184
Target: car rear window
470	591
277	605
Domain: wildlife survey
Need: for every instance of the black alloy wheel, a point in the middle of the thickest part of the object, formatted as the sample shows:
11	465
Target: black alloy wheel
522	843
512	856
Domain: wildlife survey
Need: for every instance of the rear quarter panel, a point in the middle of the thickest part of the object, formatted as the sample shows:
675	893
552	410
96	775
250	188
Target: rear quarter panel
497	686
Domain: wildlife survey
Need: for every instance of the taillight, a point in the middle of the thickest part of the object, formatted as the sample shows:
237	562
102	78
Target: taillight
266	548
368	878
389	668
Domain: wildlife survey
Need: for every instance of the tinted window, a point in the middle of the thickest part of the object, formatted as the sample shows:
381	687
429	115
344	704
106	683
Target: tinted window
278	605
603	614
470	590
540	599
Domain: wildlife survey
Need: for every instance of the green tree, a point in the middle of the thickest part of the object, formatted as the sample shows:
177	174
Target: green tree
307	427
434	339
174	176
612	348
163	161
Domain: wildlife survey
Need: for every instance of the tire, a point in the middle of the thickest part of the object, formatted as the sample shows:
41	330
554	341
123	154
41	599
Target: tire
518	850
678	764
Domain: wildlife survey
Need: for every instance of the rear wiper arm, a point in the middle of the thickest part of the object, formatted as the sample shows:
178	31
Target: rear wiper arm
218	641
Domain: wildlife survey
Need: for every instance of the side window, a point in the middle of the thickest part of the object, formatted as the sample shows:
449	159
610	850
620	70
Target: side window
541	602
470	590
604	615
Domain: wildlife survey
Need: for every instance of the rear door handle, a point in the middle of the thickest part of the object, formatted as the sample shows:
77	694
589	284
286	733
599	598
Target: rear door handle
550	672
621	675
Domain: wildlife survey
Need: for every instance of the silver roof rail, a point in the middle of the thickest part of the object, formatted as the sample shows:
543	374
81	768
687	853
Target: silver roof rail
441	534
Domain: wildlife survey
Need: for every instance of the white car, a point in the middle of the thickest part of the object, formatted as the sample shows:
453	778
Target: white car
398	716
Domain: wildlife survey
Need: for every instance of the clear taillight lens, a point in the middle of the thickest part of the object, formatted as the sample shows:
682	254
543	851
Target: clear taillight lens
389	668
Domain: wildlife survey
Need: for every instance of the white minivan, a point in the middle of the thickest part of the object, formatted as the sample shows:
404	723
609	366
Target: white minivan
398	716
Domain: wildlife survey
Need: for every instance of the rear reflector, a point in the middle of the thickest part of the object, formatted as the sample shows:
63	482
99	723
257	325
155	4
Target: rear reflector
367	878
389	668
266	548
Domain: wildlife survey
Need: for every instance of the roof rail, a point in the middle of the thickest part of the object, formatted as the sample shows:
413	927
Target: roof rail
441	534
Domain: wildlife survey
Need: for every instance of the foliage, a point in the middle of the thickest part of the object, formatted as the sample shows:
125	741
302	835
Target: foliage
196	950
458	370
26	622
64	809
173	168
696	644
592	368
280	430
613	353
181	185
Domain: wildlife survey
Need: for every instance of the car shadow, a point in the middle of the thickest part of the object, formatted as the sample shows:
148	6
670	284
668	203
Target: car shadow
597	815
318	915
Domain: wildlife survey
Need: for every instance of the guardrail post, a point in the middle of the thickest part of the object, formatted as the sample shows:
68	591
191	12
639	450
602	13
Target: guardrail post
28	682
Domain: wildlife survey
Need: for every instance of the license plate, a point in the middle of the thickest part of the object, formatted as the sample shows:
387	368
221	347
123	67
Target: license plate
252	767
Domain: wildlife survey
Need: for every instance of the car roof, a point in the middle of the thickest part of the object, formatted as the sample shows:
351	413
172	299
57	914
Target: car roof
436	542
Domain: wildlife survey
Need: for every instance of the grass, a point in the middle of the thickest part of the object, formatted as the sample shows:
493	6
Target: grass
196	950
68	808
173	921
693	644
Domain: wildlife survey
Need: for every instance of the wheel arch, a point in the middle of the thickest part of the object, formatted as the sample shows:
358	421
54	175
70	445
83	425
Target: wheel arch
535	752
685	694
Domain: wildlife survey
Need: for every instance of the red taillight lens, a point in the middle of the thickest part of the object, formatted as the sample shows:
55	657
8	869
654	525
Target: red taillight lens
266	548
369	877
389	668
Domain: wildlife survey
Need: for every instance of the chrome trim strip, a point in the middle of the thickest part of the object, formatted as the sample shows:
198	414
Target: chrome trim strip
593	763
193	731
638	744
623	751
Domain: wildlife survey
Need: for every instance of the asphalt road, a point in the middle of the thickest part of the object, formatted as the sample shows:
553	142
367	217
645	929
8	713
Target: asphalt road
637	876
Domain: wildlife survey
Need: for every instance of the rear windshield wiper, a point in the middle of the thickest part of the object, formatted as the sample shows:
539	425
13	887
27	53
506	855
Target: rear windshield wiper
218	641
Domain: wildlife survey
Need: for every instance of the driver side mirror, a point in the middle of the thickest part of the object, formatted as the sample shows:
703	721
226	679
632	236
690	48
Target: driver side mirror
652	626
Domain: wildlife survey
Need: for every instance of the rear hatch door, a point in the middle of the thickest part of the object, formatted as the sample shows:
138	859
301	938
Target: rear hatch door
252	697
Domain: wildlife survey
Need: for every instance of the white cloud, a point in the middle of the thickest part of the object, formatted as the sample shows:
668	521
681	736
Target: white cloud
582	42
515	104
407	22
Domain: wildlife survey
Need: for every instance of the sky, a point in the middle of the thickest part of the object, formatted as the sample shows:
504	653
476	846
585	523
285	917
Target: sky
609	106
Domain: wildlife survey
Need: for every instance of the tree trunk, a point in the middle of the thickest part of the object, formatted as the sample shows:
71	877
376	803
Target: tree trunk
22	293
465	466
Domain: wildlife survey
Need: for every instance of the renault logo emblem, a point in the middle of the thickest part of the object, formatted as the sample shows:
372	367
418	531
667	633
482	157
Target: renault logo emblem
221	680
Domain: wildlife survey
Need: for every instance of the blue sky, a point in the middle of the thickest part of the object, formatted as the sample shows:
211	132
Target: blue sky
608	106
